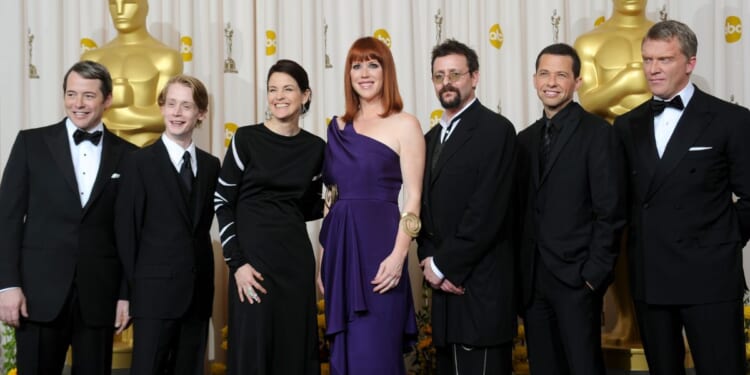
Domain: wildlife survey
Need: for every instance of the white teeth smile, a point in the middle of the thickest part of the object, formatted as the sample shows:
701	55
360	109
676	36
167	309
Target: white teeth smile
282	105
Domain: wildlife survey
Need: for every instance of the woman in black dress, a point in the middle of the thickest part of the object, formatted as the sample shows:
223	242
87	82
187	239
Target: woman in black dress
268	188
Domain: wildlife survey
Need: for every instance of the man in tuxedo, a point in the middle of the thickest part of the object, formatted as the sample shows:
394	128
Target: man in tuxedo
60	277
686	154
570	188
465	244
164	215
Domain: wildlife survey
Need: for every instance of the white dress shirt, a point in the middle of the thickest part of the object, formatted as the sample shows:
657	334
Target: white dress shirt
666	122
86	158
176	152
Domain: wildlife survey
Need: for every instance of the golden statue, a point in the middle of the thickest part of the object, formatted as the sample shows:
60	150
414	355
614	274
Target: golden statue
613	83
611	66
140	66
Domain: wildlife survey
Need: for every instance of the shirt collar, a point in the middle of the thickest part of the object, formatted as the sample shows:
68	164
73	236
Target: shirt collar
685	94
176	151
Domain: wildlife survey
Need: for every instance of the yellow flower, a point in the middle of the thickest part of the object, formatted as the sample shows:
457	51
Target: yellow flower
322	321
13	372
321	305
747	312
424	343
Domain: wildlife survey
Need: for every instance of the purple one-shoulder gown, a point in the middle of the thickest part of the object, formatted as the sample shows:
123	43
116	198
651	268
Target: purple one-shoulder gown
369	332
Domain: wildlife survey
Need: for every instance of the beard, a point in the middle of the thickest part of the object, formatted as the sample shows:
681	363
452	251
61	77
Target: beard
452	103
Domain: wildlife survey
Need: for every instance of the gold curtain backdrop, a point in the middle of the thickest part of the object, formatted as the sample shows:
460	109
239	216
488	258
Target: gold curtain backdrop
507	35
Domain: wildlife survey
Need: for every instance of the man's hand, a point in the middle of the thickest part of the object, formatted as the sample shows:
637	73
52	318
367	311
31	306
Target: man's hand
12	306
429	275
122	315
448	287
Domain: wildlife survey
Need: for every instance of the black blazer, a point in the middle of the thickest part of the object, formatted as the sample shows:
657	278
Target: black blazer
163	237
686	234
466	219
573	211
48	241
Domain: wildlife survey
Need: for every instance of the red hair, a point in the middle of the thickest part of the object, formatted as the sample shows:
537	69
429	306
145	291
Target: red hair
364	49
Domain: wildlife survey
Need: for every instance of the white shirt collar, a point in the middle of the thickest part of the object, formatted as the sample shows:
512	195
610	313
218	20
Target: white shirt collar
176	151
445	122
685	94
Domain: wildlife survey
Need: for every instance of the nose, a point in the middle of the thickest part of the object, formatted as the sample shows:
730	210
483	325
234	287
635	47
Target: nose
119	6
78	101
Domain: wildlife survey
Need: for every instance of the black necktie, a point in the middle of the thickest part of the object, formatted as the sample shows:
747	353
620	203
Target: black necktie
186	172
80	136
658	105
548	138
439	146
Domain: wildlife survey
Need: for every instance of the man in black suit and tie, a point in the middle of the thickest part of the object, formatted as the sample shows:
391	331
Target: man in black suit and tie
465	244
570	188
164	215
687	154
60	276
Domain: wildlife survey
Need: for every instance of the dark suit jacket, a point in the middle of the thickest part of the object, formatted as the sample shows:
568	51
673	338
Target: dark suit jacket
466	219
48	241
166	245
686	234
573	211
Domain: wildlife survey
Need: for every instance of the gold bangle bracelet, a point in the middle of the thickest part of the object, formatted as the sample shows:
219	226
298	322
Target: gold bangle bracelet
410	223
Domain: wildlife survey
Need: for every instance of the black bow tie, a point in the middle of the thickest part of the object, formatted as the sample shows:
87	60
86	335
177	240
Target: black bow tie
80	136
658	105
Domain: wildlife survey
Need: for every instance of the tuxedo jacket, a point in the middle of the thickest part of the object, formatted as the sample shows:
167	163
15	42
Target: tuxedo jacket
163	234
48	242
573	210
466	228
686	234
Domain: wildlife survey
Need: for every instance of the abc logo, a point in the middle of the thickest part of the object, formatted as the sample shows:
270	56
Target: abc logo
229	129
733	29
435	117
383	36
87	45
328	121
186	48
599	21
496	36
270	42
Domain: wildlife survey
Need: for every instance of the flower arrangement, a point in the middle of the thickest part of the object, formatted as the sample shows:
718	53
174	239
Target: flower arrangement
424	351
9	350
746	313
324	351
520	354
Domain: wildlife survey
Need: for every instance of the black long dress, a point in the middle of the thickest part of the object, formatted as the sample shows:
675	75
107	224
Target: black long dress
269	186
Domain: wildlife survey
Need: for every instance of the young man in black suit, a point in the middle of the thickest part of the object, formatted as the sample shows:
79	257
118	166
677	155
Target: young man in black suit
60	277
465	244
164	215
687	154
570	188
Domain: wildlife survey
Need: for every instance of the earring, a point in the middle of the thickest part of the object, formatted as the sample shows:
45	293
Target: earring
268	114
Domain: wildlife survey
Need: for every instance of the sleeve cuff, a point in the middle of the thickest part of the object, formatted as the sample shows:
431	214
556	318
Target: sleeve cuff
435	269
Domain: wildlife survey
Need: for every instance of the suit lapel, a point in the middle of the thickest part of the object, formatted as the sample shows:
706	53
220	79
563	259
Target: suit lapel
201	186
565	133
59	146
170	179
462	133
111	153
535	133
693	122
642	125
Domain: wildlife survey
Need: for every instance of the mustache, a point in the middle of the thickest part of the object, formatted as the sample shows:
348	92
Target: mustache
448	88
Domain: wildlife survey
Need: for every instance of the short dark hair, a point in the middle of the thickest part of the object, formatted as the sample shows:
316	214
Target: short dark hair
454	47
669	29
91	70
561	49
297	72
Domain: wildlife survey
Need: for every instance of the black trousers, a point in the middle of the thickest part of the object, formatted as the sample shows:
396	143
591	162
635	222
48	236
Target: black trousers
169	346
563	327
715	334
457	359
42	346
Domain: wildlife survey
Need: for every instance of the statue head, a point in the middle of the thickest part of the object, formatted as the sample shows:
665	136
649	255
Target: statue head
630	7
128	15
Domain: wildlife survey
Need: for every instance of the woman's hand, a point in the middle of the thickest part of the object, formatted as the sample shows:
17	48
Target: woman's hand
248	283
389	273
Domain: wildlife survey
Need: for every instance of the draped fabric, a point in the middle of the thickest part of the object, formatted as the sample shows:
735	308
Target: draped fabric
507	35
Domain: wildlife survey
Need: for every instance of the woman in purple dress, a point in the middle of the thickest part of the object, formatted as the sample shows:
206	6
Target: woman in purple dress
372	150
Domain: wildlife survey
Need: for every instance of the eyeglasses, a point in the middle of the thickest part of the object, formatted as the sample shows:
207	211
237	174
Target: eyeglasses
453	77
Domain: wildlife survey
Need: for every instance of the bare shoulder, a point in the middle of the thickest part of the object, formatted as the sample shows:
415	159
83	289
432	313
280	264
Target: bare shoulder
404	122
